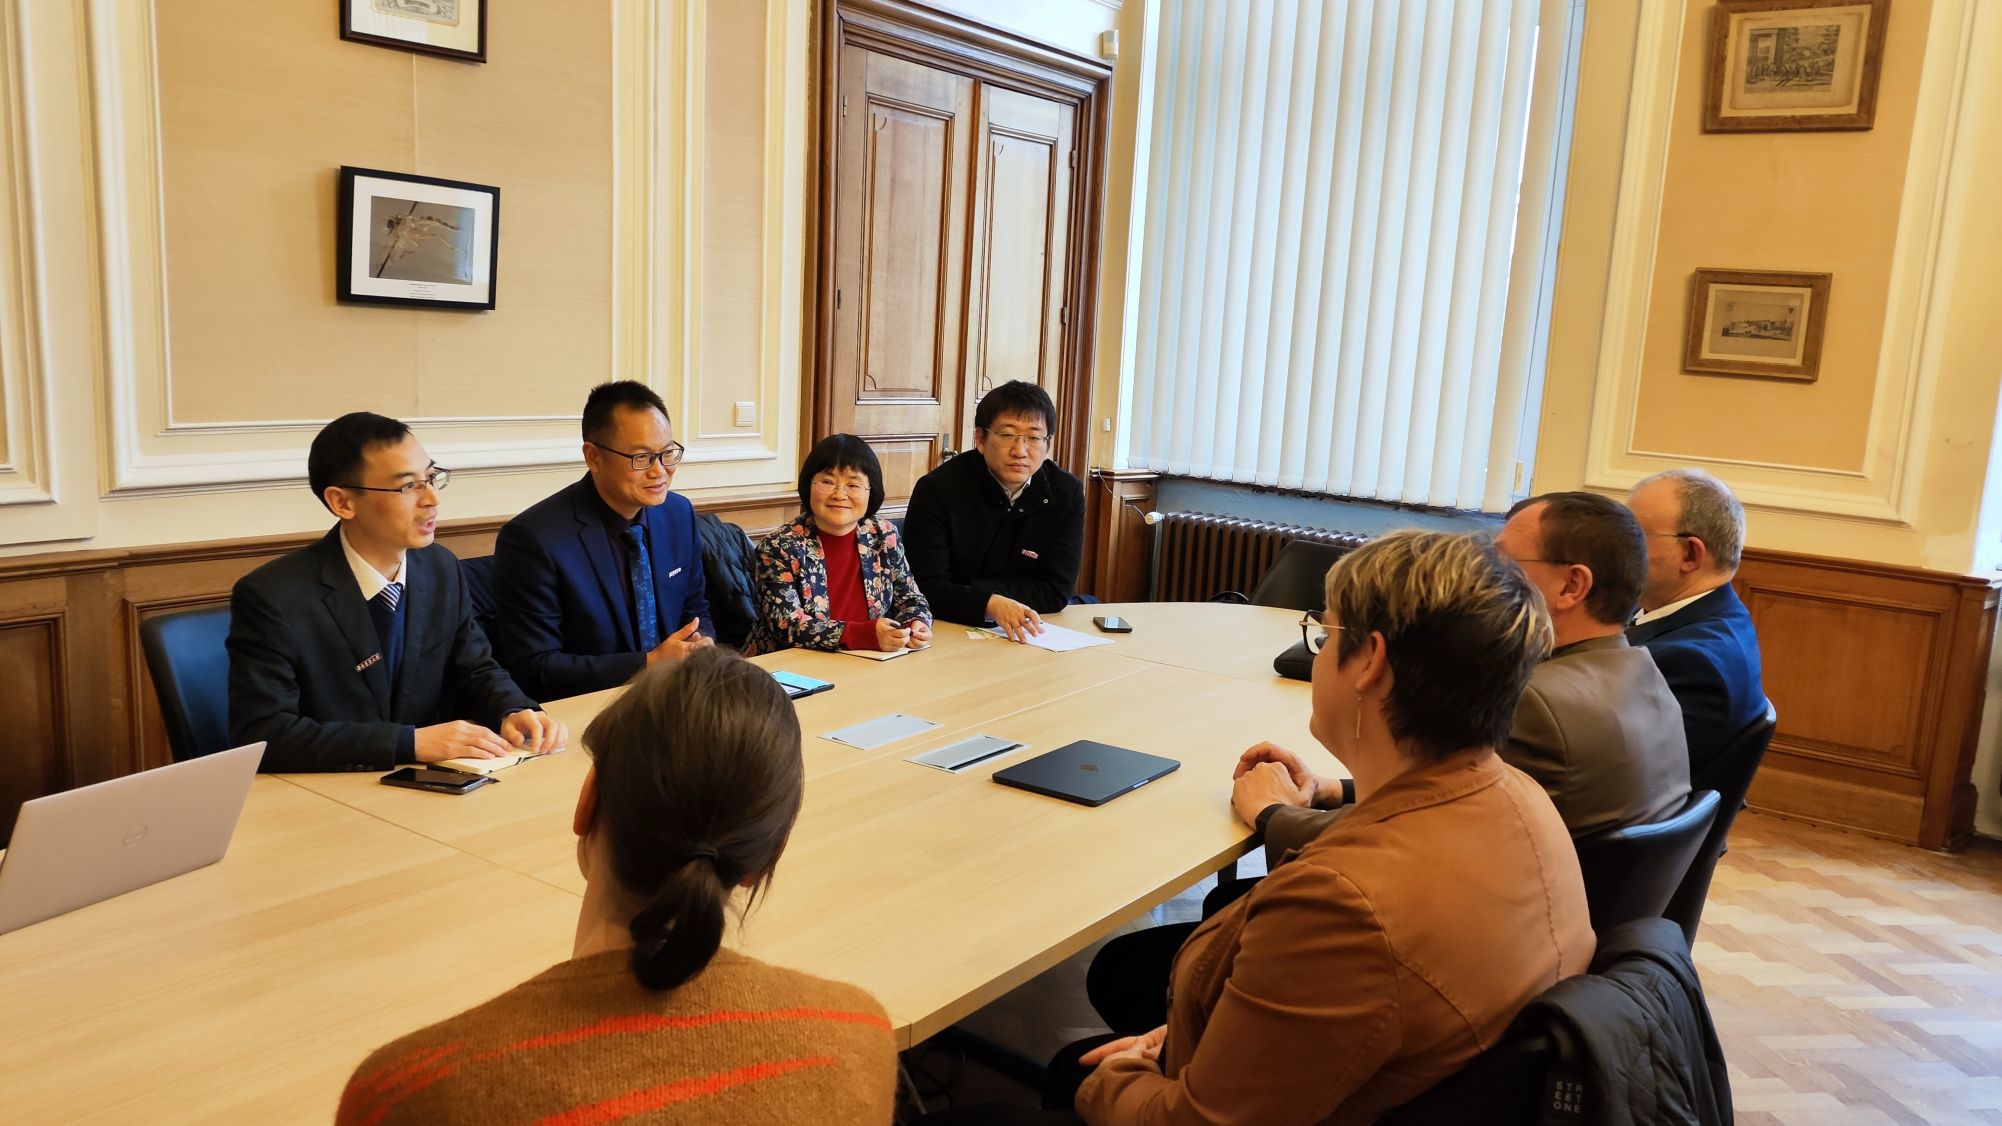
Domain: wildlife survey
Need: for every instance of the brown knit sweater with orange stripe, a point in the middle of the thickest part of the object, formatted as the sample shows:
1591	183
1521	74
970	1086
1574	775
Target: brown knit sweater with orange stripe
583	1042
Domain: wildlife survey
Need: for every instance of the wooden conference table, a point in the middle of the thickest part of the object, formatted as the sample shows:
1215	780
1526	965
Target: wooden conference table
348	913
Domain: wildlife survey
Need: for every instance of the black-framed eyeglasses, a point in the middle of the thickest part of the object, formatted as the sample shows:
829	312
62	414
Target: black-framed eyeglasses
1674	535
436	480
1315	632
641	462
1009	439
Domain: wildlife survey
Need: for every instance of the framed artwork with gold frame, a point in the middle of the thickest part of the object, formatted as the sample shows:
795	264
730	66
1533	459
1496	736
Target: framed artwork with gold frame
1794	65
1760	323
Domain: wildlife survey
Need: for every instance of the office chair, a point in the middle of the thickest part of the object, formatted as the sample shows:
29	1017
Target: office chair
1632	871
187	654
1296	580
1730	774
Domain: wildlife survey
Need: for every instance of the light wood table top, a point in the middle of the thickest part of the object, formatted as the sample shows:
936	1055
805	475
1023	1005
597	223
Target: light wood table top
940	892
1212	637
247	991
349	913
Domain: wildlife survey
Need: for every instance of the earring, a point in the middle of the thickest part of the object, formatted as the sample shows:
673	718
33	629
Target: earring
1358	739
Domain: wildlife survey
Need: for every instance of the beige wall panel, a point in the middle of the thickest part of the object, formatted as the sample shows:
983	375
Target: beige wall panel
250	152
1812	202
730	357
255	116
536	120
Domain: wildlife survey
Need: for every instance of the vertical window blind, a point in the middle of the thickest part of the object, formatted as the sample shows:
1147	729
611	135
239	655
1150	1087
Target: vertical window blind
1347	226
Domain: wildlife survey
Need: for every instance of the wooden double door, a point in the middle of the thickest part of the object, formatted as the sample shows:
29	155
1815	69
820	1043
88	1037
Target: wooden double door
954	220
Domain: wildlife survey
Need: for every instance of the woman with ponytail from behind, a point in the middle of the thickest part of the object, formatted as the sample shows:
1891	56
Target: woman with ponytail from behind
695	784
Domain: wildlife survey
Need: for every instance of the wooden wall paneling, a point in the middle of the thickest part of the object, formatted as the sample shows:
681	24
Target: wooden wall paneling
73	676
34	654
1878	674
1119	543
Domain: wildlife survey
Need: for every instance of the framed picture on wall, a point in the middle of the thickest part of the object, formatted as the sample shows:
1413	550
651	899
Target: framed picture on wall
416	240
1744	322
1794	65
455	29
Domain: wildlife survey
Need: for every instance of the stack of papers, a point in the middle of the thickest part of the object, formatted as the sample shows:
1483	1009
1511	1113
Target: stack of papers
879	655
1057	639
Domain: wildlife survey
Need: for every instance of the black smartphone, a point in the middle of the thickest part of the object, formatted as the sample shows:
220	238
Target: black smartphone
1112	623
440	781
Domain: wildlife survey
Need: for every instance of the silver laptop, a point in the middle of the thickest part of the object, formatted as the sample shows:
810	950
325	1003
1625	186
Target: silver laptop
73	849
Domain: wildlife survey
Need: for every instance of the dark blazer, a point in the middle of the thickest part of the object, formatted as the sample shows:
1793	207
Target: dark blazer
299	633
1709	654
965	543
562	623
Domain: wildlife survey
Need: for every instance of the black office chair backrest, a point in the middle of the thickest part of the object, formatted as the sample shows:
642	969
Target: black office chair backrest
1631	872
1502	1087
478	575
1730	774
1298	578
187	653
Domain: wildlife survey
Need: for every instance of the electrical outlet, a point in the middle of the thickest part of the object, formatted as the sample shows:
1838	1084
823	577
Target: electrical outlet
747	414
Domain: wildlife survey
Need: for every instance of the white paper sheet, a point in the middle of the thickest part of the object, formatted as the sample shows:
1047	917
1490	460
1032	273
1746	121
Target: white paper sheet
1057	639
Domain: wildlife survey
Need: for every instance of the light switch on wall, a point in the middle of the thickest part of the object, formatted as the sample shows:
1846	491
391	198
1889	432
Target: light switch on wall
747	414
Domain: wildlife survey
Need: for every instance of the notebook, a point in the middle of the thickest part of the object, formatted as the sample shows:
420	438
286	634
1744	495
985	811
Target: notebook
1086	772
880	655
82	846
489	765
797	686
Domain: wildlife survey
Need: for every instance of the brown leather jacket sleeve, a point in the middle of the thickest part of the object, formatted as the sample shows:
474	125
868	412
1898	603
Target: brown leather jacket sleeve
1311	968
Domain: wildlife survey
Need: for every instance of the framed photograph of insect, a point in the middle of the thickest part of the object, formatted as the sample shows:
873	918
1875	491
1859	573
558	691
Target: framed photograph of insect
416	240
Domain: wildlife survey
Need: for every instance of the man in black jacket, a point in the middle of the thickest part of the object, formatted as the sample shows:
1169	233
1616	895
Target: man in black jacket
360	652
997	532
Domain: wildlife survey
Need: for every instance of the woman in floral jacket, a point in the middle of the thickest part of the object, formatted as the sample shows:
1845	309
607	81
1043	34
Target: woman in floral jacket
835	578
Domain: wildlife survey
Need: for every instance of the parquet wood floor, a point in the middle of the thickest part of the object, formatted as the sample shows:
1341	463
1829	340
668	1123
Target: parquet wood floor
1854	980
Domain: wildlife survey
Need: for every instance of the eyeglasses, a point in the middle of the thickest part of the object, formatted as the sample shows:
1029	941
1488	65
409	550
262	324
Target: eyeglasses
852	488
1674	535
436	480
1010	440
641	462
1315	632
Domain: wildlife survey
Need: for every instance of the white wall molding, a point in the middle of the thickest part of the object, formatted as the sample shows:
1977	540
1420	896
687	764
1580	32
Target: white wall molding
26	472
1885	489
656	61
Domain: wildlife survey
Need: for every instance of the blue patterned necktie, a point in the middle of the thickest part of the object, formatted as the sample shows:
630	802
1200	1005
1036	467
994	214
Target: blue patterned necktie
640	569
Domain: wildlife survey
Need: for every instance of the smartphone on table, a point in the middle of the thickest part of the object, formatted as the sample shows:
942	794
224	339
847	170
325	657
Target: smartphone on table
438	781
1112	623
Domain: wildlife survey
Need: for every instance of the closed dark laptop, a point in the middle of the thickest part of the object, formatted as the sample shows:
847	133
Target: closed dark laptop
1086	772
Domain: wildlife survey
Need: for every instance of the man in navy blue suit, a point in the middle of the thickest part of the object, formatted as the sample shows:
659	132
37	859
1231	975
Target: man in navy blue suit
1691	619
361	652
593	584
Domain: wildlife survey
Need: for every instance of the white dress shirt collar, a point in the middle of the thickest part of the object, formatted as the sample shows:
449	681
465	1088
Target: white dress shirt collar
367	577
1665	611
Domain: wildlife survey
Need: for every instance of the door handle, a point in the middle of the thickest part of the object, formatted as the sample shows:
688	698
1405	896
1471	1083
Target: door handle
945	450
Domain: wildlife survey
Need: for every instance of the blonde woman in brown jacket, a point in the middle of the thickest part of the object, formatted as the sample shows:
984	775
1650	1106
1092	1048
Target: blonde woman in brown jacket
1397	945
695	784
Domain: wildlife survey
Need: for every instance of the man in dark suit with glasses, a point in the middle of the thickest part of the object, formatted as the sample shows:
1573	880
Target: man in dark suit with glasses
593	584
361	652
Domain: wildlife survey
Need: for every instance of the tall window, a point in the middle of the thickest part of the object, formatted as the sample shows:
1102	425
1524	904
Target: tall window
1345	237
